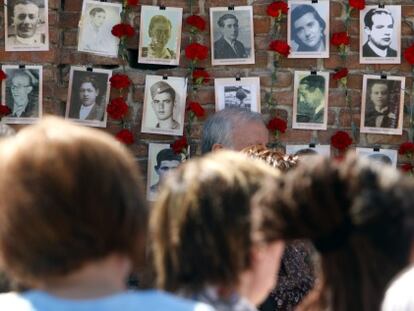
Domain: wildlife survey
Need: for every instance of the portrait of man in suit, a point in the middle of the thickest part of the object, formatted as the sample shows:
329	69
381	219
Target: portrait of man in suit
227	46
379	28
163	104
311	99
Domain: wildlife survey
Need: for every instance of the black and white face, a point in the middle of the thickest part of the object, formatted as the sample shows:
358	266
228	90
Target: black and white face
379	95
26	19
230	29
165	166
163	105
20	89
309	31
381	31
88	94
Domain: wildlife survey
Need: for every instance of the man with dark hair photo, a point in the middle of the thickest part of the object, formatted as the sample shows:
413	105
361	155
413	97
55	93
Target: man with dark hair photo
307	29
311	99
378	106
24	93
160	33
163	103
167	159
379	27
228	46
24	29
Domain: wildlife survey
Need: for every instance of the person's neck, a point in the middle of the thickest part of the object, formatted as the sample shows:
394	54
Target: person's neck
247	288
166	124
377	50
93	280
20	107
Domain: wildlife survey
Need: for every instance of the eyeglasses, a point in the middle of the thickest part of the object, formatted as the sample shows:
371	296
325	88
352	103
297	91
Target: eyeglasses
18	87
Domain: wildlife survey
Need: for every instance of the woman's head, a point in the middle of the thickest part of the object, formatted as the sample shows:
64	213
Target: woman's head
88	91
205	225
69	195
355	214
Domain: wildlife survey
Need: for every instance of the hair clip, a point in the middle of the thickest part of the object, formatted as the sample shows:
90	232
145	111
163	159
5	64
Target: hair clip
376	148
231	7
165	76
162	7
22	66
313	72
90	69
381	5
314	1
383	76
312	145
238	77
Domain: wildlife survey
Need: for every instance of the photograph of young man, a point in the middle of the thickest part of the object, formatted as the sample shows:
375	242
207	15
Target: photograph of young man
163	104
227	46
160	34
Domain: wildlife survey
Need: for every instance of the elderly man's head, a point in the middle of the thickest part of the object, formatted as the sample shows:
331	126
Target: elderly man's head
163	100
21	86
25	18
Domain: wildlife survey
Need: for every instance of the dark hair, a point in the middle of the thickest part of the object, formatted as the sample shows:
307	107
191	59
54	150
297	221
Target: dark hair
204	223
222	18
71	185
297	13
368	17
167	155
314	82
96	10
356	215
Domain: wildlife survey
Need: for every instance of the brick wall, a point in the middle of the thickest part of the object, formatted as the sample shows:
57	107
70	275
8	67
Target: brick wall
63	21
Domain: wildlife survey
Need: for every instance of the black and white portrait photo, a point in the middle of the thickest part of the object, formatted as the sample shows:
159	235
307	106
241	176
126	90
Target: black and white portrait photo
232	35
241	93
308	29
161	160
22	92
382	156
309	150
380	34
88	95
382	104
95	27
160	35
310	100
26	25
164	105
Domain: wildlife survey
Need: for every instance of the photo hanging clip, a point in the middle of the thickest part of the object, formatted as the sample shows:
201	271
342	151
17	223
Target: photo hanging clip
381	6
165	77
22	66
314	1
383	76
231	7
238	78
312	145
162	7
313	72
376	149
90	69
102	0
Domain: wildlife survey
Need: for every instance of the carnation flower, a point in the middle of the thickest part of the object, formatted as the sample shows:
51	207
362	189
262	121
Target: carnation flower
196	22
196	51
357	4
341	140
2	75
120	81
200	76
275	9
4	110
407	167
406	148
409	54
123	30
340	38
132	2
196	108
125	136
277	125
180	145
340	74
117	109
280	47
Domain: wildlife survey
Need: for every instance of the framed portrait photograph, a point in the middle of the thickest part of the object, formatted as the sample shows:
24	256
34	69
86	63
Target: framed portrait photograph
308	29
243	93
22	92
26	25
307	150
88	95
380	34
310	100
161	159
164	105
95	27
232	35
382	104
383	156
160	35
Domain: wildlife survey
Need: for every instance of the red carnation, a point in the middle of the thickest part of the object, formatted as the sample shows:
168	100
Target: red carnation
119	81
197	22
407	167
121	30
341	140
125	136
196	108
276	8
132	2
180	145
117	109
340	38
196	51
357	4
280	47
406	148
340	74
409	54
2	75
4	110
277	124
200	76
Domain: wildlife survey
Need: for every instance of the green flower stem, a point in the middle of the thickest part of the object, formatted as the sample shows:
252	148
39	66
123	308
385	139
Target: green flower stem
411	131
348	11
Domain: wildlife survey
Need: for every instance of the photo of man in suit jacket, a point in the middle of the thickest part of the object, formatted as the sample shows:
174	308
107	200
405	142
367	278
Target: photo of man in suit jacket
228	46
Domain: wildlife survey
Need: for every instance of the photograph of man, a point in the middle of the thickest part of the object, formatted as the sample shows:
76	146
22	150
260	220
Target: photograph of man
23	93
228	46
382	156
27	29
95	28
379	28
163	103
166	160
160	35
381	111
311	99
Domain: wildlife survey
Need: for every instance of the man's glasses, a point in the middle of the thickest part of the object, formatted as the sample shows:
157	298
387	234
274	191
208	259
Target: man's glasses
18	87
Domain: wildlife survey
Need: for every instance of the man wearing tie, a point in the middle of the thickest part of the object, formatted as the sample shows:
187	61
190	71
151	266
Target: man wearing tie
228	46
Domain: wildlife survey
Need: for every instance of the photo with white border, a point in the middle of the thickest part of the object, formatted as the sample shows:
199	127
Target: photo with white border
384	156
308	150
